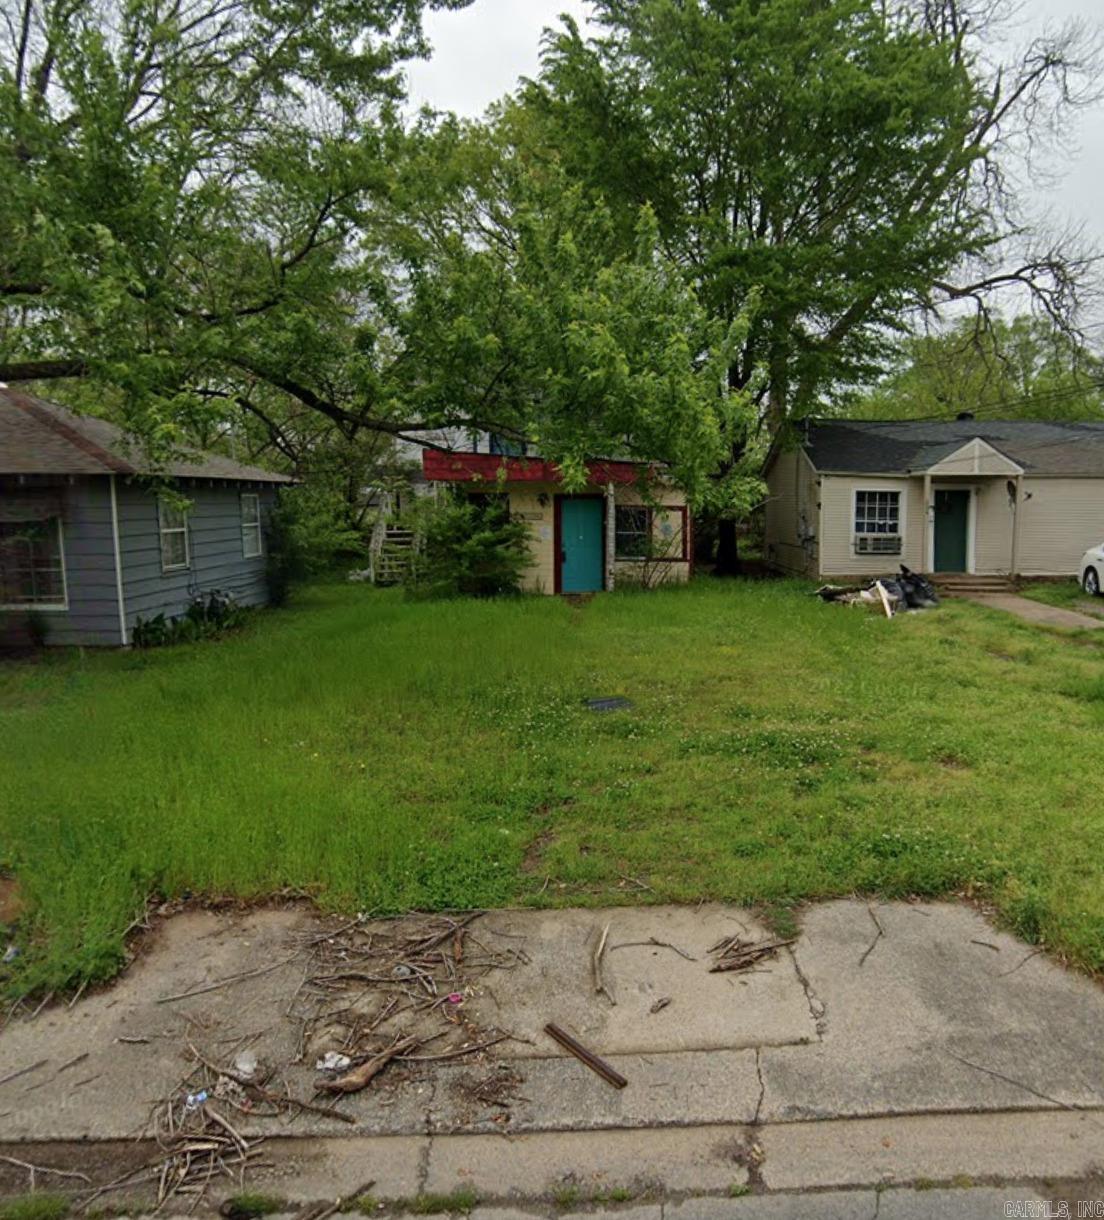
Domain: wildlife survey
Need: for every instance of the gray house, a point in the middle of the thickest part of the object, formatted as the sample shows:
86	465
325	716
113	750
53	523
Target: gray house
86	545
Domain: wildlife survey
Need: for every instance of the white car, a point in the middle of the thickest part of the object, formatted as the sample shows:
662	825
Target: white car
1092	570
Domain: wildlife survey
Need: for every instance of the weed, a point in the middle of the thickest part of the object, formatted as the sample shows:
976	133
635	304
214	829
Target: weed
35	1207
460	1201
738	1189
565	1196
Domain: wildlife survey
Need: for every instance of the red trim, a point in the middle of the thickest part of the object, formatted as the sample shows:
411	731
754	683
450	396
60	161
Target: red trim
469	467
557	538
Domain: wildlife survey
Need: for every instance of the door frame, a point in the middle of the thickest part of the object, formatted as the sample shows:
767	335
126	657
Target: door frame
971	522
557	536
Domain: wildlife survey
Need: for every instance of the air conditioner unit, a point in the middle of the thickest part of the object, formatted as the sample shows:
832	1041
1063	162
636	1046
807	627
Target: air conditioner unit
877	544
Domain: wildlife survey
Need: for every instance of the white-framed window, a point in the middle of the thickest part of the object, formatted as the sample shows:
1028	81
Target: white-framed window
252	540
877	522
32	565
176	553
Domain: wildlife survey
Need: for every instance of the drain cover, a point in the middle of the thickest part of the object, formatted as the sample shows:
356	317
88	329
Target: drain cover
611	703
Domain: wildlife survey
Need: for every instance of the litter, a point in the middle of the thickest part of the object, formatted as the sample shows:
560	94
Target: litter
245	1064
194	1100
332	1061
456	998
10	954
889	595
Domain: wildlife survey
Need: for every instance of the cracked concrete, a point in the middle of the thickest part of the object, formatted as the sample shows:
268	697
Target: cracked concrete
892	1043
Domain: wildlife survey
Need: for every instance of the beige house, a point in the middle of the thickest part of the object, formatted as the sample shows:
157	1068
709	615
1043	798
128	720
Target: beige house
626	527
855	498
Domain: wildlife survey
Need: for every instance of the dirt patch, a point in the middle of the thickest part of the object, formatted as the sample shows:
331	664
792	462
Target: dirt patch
533	860
11	900
952	762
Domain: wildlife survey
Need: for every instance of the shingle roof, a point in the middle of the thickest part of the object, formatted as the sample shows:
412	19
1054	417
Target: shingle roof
906	446
40	437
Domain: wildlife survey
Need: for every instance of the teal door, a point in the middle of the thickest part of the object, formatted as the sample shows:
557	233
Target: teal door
581	549
952	517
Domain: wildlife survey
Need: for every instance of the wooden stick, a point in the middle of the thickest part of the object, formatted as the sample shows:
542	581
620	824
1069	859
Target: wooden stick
234	978
360	1077
600	987
603	1069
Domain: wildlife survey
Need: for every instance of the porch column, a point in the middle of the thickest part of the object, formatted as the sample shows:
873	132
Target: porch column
611	537
926	560
1014	569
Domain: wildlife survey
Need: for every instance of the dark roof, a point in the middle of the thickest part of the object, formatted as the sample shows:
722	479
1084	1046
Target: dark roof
910	446
40	437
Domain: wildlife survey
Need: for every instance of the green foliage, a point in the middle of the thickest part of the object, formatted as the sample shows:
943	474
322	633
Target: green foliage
35	1207
489	749
307	533
208	616
467	548
1023	369
837	156
459	1202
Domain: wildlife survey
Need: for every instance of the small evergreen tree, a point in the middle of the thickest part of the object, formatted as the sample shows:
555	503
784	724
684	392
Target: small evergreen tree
469	548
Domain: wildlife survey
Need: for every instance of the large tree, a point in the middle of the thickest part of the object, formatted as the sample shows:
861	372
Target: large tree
847	158
215	213
1027	368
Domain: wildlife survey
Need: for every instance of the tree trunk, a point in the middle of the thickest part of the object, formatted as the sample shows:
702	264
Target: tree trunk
728	551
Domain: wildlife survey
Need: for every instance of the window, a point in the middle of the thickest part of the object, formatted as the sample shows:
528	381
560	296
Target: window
251	526
504	446
878	522
632	531
32	565
173	521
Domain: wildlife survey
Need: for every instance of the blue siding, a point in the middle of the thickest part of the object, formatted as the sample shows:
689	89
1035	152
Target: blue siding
93	614
215	544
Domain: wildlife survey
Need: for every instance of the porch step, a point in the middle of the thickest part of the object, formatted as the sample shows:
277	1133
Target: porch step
393	557
951	583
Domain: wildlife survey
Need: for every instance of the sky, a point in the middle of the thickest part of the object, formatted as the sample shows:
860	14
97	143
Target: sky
480	52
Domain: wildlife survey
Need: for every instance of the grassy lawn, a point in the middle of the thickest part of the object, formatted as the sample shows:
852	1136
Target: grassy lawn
1067	594
391	755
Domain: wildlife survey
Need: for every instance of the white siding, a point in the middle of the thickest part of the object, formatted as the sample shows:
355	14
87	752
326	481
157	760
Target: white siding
837	507
1060	519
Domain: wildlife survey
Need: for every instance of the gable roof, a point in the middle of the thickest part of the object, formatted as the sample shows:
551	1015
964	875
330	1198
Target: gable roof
1039	447
40	437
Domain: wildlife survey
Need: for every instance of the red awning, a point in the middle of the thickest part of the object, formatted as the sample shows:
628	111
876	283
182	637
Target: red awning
489	467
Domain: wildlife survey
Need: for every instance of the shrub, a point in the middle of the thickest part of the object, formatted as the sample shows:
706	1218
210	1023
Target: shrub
306	535
469	548
208	615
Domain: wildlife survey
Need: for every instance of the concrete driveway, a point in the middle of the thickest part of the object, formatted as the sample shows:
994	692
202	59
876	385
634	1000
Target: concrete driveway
895	1058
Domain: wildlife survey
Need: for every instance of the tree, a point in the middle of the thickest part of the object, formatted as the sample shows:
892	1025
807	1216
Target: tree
1024	369
846	158
217	217
182	183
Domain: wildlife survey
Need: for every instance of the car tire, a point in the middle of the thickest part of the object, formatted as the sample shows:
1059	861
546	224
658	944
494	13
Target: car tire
1090	582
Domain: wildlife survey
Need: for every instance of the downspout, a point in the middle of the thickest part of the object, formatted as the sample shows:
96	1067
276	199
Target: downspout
118	563
1016	528
926	560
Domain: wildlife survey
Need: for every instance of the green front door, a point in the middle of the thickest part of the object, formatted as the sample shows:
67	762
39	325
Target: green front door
952	523
581	549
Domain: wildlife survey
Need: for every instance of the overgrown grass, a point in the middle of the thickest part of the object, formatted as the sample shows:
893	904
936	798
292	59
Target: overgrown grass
1066	594
391	755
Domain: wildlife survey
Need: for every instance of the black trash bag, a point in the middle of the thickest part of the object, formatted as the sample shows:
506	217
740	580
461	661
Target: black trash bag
895	589
919	592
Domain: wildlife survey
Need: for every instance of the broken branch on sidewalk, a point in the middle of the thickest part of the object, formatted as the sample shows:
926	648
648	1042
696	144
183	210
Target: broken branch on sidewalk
585	1056
735	953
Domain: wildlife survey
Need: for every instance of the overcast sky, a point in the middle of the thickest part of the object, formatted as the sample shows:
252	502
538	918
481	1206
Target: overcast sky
480	52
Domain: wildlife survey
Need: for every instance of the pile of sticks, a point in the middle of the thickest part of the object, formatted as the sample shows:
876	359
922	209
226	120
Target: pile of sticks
381	991
198	1147
735	953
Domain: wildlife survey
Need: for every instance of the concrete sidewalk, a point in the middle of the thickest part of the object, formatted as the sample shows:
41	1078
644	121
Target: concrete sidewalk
890	1045
1036	612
